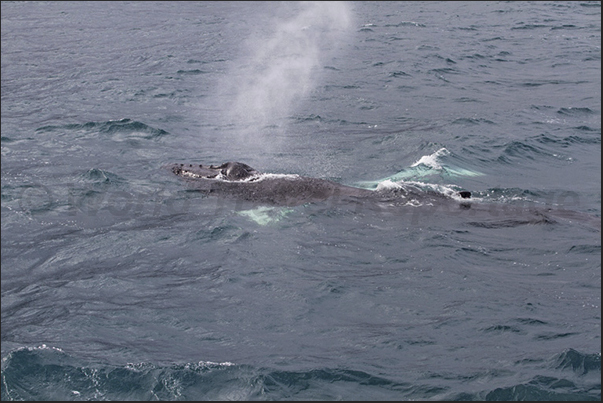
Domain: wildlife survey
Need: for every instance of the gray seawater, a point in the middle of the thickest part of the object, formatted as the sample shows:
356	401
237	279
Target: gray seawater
120	282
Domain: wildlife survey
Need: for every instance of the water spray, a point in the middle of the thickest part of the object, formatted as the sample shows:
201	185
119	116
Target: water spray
281	66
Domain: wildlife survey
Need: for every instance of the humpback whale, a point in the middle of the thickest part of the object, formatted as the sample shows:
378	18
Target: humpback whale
242	182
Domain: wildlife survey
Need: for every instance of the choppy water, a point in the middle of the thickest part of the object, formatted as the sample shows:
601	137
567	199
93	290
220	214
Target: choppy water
120	282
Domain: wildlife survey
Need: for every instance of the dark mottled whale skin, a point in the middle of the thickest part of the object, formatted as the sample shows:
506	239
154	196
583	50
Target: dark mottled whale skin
240	181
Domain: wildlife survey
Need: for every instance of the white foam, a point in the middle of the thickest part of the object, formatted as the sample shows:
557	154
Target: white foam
259	177
41	347
388	185
277	176
413	203
253	178
446	190
432	159
216	364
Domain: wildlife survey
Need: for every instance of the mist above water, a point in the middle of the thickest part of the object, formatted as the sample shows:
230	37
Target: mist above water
279	67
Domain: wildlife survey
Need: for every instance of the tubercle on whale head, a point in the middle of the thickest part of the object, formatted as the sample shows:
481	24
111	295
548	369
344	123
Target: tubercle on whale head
230	171
237	170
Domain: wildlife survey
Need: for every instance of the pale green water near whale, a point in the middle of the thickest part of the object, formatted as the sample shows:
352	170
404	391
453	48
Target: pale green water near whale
121	283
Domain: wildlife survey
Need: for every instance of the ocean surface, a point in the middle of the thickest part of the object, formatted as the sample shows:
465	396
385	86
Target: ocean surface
122	282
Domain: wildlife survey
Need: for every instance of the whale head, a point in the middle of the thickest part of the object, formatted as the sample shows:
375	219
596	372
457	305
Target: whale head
230	171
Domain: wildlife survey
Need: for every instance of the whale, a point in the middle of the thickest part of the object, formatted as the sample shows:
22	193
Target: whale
241	182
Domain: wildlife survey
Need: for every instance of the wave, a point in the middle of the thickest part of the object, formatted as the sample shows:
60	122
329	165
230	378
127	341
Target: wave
575	111
101	177
427	165
546	145
128	127
521	150
192	72
47	373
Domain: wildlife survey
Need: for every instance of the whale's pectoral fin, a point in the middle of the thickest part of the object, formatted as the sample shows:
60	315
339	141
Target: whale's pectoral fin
264	215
